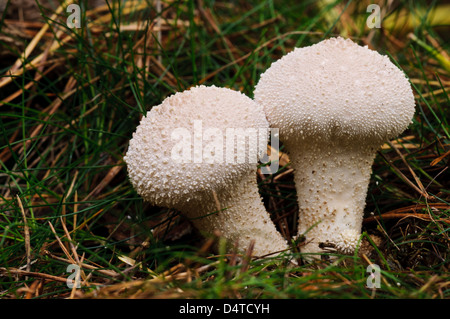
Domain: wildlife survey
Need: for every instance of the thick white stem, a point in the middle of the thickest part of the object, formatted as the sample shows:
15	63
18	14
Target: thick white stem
331	182
239	214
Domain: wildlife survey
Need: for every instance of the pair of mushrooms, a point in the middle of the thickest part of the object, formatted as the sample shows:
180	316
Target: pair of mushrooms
335	103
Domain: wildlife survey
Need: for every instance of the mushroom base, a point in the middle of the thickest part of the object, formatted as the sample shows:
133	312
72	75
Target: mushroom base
331	182
238	213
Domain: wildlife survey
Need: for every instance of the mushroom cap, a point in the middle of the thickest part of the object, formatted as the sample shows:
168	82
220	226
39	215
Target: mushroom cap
158	168
333	89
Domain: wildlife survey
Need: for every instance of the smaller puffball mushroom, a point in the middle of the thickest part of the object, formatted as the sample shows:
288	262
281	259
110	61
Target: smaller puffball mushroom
335	103
187	154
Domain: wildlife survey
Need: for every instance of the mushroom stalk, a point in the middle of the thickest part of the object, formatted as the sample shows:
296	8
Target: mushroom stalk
239	214
335	103
331	180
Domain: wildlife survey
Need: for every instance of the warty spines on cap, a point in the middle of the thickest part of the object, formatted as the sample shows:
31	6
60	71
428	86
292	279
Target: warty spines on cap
336	88
151	166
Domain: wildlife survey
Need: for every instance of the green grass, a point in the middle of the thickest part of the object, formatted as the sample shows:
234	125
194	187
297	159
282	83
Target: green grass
65	125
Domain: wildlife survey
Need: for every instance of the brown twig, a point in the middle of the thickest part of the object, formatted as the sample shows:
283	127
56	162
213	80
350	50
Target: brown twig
20	272
404	178
410	211
26	234
105	272
419	183
109	176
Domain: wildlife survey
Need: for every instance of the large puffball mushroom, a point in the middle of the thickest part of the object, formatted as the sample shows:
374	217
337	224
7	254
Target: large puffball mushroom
197	152
335	103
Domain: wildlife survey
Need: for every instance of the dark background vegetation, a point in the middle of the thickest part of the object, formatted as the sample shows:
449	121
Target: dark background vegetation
70	100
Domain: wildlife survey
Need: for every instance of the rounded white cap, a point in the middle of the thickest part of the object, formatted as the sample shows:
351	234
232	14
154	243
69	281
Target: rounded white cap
180	148
336	89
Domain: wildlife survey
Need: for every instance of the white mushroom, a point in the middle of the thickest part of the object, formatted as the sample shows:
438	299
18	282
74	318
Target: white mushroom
335	103
183	156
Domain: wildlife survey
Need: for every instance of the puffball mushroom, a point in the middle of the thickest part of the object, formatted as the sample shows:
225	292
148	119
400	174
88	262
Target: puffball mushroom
183	156
335	103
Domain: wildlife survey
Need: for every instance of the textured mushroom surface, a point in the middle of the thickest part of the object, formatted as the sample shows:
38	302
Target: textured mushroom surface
216	190
335	103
